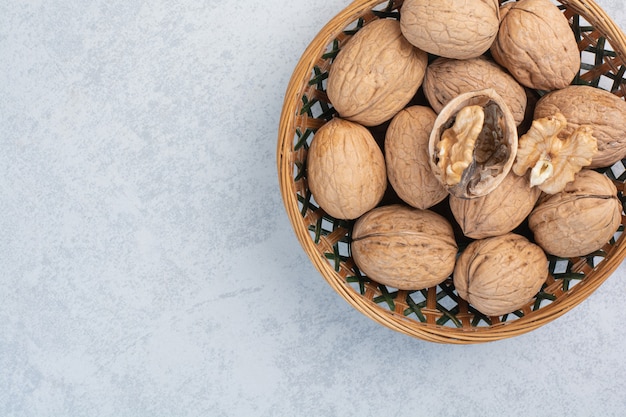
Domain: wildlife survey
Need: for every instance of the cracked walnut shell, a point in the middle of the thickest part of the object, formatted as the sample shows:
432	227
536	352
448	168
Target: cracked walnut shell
500	274
450	28
580	219
536	44
375	74
473	143
345	169
552	155
585	105
406	158
404	247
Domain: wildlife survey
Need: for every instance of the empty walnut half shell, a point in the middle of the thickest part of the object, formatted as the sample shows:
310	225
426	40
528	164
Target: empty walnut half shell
473	143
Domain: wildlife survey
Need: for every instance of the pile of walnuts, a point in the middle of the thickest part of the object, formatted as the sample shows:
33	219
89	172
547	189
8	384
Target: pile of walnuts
479	145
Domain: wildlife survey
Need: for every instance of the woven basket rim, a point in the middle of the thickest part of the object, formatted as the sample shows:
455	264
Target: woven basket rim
434	333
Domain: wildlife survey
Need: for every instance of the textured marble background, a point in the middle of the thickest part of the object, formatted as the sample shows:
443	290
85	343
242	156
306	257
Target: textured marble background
148	268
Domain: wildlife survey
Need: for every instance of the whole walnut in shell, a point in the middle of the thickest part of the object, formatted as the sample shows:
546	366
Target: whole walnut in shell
473	143
451	28
404	247
536	44
586	105
500	274
580	219
406	158
375	74
498	212
345	169
447	78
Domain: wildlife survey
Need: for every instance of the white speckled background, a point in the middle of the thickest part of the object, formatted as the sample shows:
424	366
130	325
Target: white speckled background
148	268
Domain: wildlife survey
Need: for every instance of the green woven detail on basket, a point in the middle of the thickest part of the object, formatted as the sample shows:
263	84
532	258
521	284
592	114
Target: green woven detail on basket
449	313
390	11
318	79
301	171
568	277
332	51
359	279
305	203
597	59
323	227
335	257
307	107
359	24
386	297
541	297
479	319
303	138
416	307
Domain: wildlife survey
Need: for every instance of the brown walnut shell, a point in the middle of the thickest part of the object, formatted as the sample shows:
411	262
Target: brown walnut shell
586	105
406	158
345	169
404	247
500	274
494	151
536	44
580	219
498	212
375	74
447	78
451	28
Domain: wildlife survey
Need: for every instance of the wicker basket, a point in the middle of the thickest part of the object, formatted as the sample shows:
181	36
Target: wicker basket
436	314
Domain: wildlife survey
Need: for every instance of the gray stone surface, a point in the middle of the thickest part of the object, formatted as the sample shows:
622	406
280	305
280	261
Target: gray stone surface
148	268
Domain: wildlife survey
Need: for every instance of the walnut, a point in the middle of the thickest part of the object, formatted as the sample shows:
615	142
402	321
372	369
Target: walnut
473	143
404	247
580	219
451	28
552	156
498	212
536	44
455	150
447	78
375	74
345	169
500	274
406	158
586	105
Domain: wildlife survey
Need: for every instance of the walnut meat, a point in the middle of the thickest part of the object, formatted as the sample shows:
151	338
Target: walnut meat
375	74
498	212
345	169
451	28
406	158
473	143
536	44
501	274
404	247
580	219
552	156
585	105
447	78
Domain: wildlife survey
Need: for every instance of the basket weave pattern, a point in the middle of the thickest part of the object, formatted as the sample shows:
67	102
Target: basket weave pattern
435	314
